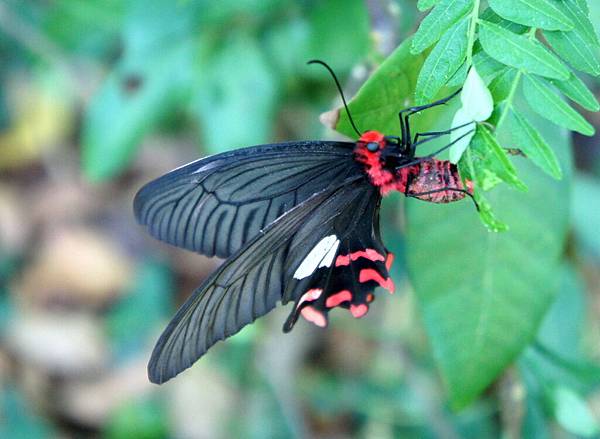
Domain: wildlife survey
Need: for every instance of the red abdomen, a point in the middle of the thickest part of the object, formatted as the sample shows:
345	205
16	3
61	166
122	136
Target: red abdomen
436	181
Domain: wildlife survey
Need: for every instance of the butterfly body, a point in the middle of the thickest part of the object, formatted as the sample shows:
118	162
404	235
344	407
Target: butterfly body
390	170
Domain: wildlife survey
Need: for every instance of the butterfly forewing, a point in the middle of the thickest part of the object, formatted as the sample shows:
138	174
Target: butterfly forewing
215	205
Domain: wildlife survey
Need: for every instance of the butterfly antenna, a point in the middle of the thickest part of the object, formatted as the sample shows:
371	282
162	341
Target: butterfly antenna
339	87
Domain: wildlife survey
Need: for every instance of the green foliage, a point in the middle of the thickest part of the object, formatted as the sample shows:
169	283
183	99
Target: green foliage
148	83
473	285
501	43
439	22
555	369
545	14
227	98
520	51
480	283
443	61
533	145
544	100
229	83
572	413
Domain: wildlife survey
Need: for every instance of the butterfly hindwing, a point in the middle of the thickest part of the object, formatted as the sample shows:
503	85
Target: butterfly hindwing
216	204
348	279
252	281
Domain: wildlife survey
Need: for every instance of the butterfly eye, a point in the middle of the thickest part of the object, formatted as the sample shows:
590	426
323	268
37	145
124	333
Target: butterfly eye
373	146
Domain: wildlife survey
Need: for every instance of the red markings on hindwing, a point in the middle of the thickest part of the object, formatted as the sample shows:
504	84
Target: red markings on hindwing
314	316
367	274
310	295
389	260
359	310
369	254
337	298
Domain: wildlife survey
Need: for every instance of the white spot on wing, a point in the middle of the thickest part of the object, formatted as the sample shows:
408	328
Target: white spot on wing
321	255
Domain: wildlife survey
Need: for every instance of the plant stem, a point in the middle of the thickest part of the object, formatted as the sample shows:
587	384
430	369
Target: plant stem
472	28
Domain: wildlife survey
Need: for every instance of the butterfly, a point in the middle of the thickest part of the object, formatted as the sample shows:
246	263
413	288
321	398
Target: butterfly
296	222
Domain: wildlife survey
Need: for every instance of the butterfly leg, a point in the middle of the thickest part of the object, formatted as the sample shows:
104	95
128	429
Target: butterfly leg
404	115
436	134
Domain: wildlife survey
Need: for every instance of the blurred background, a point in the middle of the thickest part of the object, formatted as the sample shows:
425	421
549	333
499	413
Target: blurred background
98	97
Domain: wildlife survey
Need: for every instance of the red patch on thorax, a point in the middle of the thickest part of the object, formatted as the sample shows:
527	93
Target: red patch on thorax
379	176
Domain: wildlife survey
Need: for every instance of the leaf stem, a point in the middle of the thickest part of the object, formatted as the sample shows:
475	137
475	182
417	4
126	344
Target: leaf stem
472	28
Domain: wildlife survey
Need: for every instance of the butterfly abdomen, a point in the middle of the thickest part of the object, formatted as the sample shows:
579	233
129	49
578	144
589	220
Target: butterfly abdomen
436	181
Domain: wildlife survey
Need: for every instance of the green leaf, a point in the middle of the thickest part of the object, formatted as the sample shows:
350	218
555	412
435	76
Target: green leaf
423	5
480	314
531	142
502	84
376	105
574	48
459	76
492	17
572	412
580	17
487	216
235	105
520	52
543	100
545	14
129	104
440	19
443	61
577	91
491	157
487	67
581	4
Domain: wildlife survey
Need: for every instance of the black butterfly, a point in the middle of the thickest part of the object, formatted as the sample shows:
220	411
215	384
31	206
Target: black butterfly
298	222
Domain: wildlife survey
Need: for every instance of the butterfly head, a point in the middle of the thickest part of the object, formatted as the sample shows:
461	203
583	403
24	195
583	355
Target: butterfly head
378	154
370	143
375	148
